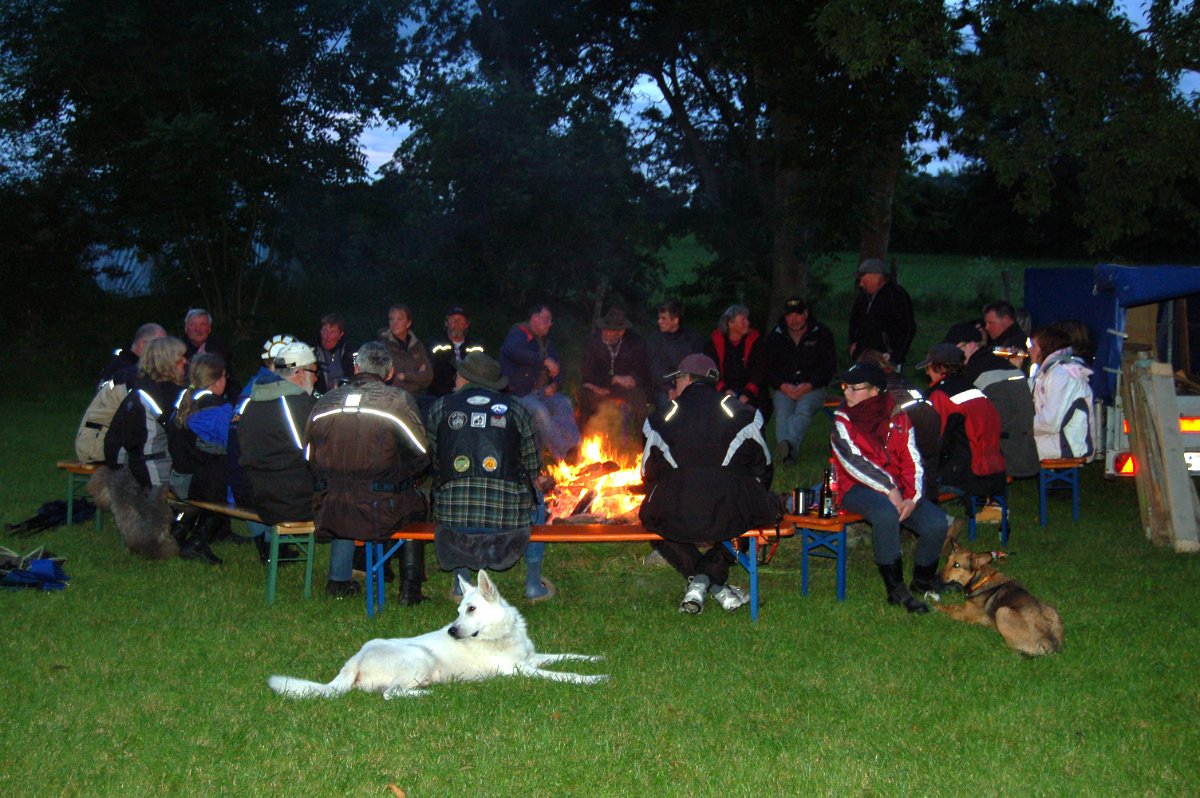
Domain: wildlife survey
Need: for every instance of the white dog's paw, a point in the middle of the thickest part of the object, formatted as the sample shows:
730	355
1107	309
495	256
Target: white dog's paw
403	692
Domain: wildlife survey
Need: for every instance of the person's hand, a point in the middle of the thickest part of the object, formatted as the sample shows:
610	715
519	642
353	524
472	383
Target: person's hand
800	389
596	389
744	399
624	381
550	389
906	508
551	366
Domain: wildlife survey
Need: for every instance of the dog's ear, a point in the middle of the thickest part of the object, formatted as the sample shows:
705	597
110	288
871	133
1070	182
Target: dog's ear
486	586
464	586
980	559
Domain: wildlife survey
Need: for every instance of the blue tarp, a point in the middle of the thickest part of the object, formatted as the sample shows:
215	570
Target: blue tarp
1099	297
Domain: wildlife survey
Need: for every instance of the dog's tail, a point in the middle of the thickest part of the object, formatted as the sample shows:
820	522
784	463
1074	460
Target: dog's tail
291	687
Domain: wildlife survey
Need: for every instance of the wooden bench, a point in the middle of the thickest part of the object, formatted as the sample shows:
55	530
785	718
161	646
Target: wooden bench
1059	473
564	533
826	538
78	475
297	533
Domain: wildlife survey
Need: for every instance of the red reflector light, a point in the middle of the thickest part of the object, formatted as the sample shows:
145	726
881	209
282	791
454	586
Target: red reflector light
1124	464
1125	425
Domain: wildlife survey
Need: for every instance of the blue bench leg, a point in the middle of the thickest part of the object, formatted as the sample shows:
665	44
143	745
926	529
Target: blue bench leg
750	563
1075	494
376	560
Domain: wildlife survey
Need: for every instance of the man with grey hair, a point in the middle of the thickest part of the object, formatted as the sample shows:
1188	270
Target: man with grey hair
276	477
367	447
882	316
124	361
740	355
198	335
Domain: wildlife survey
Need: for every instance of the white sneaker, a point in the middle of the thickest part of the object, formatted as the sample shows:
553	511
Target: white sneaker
693	599
729	597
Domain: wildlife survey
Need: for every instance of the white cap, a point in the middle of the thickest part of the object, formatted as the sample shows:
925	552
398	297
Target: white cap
275	345
295	355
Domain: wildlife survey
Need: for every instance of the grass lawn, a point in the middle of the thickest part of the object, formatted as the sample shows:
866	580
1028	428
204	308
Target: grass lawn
149	678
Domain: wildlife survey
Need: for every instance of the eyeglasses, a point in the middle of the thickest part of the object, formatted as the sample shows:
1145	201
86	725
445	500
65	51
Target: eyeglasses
312	371
864	386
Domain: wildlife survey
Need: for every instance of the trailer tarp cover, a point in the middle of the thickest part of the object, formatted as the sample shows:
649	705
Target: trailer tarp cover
1098	297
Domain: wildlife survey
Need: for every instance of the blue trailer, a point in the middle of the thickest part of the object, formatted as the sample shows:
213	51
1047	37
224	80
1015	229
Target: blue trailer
1102	299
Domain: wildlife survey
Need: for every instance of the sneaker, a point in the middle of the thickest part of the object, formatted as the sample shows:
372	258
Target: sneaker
693	598
338	589
729	597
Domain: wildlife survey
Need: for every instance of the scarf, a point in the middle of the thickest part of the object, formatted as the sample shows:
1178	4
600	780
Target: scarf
872	417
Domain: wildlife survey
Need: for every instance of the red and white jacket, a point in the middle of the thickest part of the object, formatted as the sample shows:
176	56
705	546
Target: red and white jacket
863	460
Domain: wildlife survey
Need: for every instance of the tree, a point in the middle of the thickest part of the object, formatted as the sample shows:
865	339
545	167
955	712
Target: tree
187	125
1067	105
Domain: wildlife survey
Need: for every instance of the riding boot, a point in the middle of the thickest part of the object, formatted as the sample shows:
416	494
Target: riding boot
182	526
196	547
412	572
897	593
926	580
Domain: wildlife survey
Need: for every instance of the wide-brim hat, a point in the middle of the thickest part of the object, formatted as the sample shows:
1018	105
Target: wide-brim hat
700	366
481	370
615	319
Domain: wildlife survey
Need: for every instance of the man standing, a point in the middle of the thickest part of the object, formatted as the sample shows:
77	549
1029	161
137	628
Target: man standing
668	345
707	471
534	372
447	351
801	359
615	374
275	473
1005	385
335	360
882	317
367	447
485	457
412	371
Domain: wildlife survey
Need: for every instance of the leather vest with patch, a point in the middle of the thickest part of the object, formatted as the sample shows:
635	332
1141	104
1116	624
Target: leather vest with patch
478	437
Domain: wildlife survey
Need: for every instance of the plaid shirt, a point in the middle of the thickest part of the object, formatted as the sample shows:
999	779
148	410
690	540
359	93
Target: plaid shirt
483	501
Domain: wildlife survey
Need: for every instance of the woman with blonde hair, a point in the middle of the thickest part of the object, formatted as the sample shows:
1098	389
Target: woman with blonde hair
198	457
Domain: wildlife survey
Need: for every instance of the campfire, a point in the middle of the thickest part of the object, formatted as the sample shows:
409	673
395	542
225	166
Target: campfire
603	487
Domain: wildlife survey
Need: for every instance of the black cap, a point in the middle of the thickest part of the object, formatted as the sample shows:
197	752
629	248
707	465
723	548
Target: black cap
867	373
794	304
965	332
943	355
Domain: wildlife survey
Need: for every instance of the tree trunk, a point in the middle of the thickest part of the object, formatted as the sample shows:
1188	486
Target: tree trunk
789	274
876	232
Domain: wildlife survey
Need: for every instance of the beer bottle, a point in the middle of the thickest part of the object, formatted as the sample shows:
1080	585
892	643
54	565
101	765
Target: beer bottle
825	504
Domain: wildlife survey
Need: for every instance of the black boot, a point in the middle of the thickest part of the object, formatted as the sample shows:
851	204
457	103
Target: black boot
287	552
412	573
926	580
897	593
196	547
182	526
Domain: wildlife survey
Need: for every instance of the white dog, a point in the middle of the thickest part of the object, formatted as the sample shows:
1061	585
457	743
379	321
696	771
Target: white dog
488	639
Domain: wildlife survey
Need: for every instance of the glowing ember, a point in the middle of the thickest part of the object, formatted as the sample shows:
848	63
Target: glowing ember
598	485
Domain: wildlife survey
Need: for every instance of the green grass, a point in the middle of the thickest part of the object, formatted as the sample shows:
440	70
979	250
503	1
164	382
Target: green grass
148	678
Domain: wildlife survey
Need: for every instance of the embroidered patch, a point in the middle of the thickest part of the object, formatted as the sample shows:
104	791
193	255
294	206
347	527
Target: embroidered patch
462	463
498	421
479	420
457	420
489	464
499	409
477	400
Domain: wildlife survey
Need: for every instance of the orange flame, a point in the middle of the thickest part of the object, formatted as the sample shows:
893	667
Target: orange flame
612	495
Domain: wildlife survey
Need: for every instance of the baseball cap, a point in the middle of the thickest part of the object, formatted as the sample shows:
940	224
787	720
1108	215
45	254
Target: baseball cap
457	310
965	332
697	365
867	373
872	266
794	304
943	355
295	355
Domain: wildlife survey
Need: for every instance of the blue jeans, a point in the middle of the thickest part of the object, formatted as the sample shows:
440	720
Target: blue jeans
792	416
927	520
554	420
341	560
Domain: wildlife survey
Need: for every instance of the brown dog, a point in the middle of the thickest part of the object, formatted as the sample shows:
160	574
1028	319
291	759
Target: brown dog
1027	624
